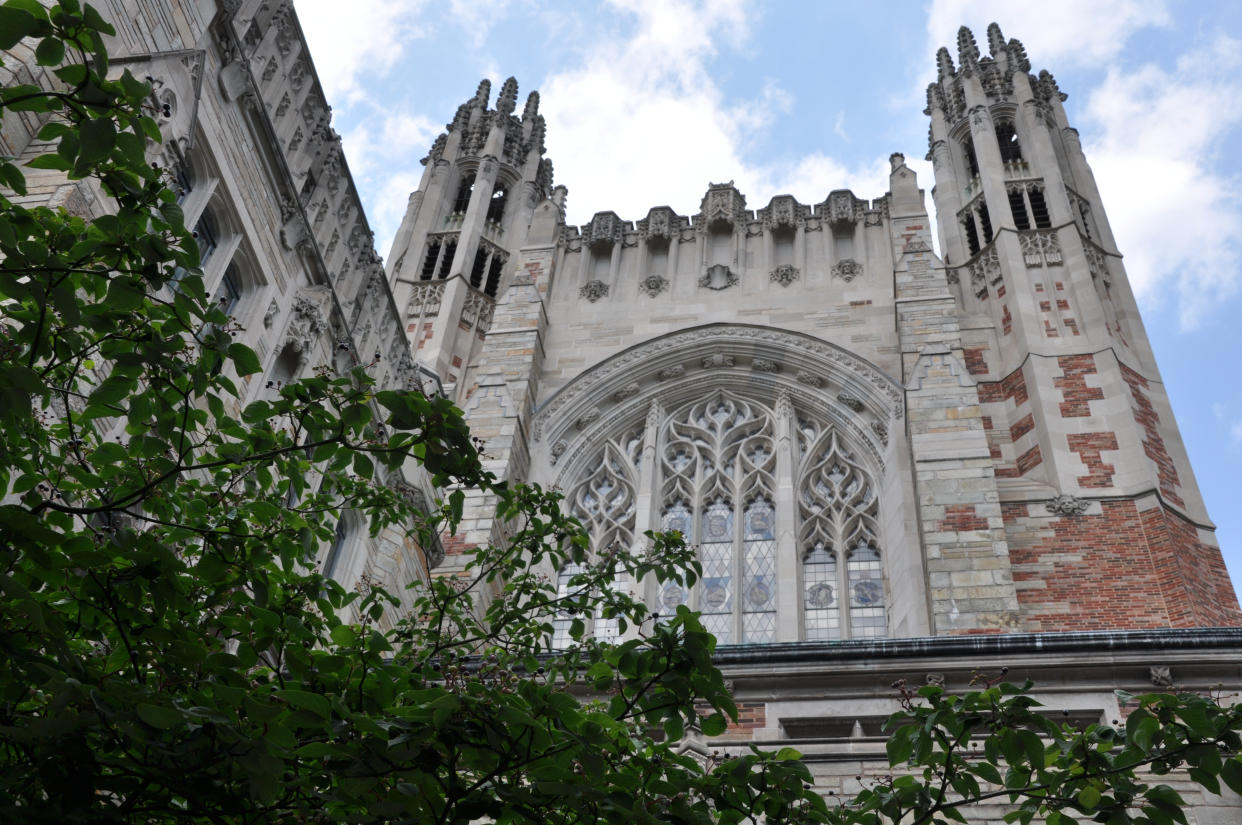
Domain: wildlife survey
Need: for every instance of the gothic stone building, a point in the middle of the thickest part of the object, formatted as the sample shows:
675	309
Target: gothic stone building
894	464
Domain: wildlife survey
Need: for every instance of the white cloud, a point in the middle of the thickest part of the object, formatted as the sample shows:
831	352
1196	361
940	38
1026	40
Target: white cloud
361	36
644	123
1057	32
1154	137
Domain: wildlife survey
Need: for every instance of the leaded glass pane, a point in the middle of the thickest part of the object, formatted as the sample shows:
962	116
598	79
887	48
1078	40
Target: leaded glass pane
759	593
678	519
866	583
564	620
718	521
820	608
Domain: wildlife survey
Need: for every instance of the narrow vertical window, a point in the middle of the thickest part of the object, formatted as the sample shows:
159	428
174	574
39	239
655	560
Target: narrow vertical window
1017	205
821	618
1007	139
716	553
464	190
1039	208
972	162
866	588
985	222
564	620
480	267
446	262
759	573
496	207
429	263
494	271
972	235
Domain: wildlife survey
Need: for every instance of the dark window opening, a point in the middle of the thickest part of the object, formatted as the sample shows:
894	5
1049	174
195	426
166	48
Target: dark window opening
1086	220
496	207
1018	206
479	268
205	236
462	202
308	187
446	262
429	263
1007	138
985	222
972	163
228	296
1039	209
493	275
972	236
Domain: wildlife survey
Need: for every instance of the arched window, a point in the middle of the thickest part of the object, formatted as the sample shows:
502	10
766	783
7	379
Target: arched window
464	189
968	152
838	509
564	620
496	206
722	478
1007	140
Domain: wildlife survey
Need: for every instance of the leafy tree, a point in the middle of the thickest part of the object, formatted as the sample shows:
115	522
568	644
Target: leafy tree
171	654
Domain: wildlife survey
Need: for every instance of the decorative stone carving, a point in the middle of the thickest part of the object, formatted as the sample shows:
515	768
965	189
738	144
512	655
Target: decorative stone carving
588	418
764	365
273	309
881	431
628	391
305	326
785	274
842	208
853	402
847	269
1097	264
660	223
718	277
653	285
558	450
916	245
722	204
808	378
782	213
593	290
936	679
1067	505
717	360
1040	247
1160	675
477	310
604	230
669	373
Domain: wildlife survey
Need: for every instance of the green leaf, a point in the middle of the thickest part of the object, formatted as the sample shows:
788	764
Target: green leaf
14	25
1089	797
50	51
244	359
98	138
713	725
125	292
305	700
1231	772
159	716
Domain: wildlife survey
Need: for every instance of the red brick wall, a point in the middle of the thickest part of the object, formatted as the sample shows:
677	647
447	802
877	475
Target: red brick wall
1153	445
1073	385
1120	570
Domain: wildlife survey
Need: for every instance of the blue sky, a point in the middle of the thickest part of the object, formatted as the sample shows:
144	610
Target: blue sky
648	102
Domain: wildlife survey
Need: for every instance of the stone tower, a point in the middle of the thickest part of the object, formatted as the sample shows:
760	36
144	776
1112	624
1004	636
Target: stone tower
1105	524
972	443
483	177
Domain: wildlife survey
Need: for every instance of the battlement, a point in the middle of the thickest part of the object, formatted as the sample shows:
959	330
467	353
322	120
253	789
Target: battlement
724	207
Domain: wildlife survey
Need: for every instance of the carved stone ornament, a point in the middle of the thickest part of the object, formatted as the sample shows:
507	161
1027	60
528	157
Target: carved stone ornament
1160	675
661	222
653	285
718	277
717	360
270	316
723	204
1067	505
843	208
785	274
917	245
628	391
593	290
588	418
782	213
881	431
305	325
604	230
810	379
669	373
558	450
934	679
764	365
851	401
847	269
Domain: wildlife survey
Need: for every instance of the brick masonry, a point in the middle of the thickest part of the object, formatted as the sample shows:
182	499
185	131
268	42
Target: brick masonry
1153	444
1076	393
1122	568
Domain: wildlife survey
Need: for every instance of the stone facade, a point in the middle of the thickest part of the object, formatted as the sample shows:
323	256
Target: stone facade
264	183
